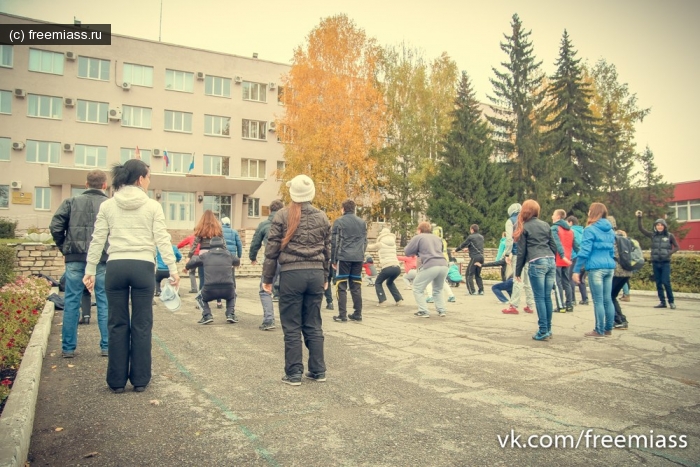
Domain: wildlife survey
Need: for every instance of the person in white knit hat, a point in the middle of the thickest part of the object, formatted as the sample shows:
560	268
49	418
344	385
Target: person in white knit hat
300	241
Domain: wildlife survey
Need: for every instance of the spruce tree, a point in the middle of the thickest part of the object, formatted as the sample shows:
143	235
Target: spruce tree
469	187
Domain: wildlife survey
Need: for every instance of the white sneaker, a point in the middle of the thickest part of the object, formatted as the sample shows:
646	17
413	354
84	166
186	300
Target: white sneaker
399	303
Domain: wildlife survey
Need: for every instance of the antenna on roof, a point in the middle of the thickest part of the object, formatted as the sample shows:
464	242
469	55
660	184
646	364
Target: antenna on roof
76	21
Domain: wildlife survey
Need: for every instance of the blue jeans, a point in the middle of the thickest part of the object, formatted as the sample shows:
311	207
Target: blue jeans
662	276
600	282
71	313
505	286
435	275
542	272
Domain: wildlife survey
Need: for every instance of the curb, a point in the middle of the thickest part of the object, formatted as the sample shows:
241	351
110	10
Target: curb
17	421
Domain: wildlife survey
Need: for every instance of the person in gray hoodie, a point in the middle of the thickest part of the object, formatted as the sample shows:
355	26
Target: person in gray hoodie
386	246
433	269
663	245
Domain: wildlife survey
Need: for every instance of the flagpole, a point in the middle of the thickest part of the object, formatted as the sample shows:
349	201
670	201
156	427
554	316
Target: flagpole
160	29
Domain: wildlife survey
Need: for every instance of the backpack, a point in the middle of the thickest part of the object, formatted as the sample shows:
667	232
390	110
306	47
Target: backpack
630	256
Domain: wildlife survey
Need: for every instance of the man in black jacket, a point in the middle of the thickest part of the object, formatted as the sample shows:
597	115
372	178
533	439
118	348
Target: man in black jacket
663	245
71	228
348	245
475	243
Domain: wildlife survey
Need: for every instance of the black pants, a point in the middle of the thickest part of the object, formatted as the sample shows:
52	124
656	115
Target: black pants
581	284
565	287
617	285
329	290
301	294
388	274
662	276
349	272
129	335
218	293
160	275
475	272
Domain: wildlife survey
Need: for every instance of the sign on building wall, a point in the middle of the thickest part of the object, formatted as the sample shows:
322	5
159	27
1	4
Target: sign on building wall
21	197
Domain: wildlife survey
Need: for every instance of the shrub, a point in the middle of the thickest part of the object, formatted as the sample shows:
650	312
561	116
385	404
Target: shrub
7	264
7	228
685	274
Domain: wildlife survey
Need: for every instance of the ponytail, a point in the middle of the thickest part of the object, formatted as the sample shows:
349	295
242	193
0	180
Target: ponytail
128	173
292	222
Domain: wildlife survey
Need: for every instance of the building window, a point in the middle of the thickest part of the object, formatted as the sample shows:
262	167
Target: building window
5	145
4	196
215	165
45	61
93	68
220	205
179	162
687	210
253	129
285	134
42	198
179	81
92	112
280	95
216	86
178	121
252	168
136	117
90	156
45	106
130	153
254	92
281	165
138	75
178	209
216	126
5	102
43	152
253	207
6	56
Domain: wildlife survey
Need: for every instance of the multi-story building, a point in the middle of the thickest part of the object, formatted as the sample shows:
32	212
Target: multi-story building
686	204
204	121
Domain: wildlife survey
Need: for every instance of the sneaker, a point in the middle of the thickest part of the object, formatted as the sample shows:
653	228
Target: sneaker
219	305
234	317
139	388
329	306
511	310
672	305
661	305
429	300
527	309
104	353
339	319
230	318
594	335
117	390
193	291
562	310
538	336
354	317
421	314
442	314
320	377
625	298
608	334
570	309
480	292
267	326
452	299
68	354
399	303
292	380
583	302
84	320
206	319
621	326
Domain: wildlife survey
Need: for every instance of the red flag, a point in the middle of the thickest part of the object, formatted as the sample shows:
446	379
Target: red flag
137	153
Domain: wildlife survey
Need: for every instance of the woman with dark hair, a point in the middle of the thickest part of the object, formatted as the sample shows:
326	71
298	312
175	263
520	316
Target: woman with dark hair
536	247
134	225
598	258
300	241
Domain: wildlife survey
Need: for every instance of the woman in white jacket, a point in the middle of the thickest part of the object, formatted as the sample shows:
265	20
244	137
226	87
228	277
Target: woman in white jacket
391	269
134	225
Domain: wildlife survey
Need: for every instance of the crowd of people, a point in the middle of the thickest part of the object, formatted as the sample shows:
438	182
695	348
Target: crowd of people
119	250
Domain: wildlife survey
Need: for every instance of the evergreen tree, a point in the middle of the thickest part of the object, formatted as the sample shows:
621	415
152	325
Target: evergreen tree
571	135
517	98
469	187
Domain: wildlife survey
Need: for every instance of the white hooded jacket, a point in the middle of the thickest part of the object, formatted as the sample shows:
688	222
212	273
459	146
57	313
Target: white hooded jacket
386	245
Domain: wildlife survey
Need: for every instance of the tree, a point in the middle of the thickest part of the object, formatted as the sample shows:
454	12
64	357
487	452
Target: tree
469	187
335	114
517	99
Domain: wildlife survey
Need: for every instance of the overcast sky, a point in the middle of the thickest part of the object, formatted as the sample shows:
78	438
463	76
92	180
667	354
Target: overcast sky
650	42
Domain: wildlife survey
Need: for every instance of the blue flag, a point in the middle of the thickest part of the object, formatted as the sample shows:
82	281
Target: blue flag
191	164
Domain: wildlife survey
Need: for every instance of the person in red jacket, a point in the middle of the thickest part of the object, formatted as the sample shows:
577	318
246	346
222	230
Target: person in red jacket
565	243
410	267
188	241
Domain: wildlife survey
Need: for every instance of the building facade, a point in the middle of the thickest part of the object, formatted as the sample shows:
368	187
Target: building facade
686	204
204	121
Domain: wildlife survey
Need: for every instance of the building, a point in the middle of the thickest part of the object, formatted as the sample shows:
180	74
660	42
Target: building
65	110
686	203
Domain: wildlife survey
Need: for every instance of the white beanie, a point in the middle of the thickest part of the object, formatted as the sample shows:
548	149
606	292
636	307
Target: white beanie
301	189
225	221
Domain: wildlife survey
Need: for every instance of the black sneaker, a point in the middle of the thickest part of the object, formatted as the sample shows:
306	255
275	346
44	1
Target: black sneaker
621	325
339	319
583	302
570	309
206	319
68	354
354	317
84	320
421	314
320	377
292	380
661	305
267	326
329	306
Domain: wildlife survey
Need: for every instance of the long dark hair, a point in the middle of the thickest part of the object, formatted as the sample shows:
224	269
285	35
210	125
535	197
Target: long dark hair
292	222
128	173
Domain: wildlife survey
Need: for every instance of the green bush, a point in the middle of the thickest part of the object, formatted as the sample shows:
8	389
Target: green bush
685	274
7	264
7	228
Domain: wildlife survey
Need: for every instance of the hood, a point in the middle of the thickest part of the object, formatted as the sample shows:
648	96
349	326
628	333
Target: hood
514	208
563	223
130	197
603	225
662	222
386	238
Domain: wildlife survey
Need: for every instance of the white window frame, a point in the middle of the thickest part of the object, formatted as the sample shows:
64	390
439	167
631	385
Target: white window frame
178	208
100	111
40	202
179	162
49	62
220	205
178	121
91	64
4	196
133	117
257	165
212	84
253	207
5	52
254	92
688	205
126	154
5	148
5	100
254	130
181	81
281	166
90	156
143	72
35	148
55	105
216	165
216	125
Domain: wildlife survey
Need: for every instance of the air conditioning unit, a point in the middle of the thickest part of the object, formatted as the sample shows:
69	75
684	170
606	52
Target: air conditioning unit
200	76
115	114
238	79
156	152
70	56
271	126
69	102
67	147
126	86
272	85
245	199
20	93
16	185
18	145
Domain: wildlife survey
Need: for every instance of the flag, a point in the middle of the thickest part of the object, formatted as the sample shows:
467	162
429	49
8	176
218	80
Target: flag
137	153
191	164
166	158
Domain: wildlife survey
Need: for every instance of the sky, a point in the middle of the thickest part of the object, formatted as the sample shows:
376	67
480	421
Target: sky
651	43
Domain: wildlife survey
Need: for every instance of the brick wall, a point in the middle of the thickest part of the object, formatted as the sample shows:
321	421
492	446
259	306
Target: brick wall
38	258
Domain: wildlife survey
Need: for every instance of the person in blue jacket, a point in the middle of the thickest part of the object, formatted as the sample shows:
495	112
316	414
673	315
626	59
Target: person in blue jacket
598	258
234	246
578	236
